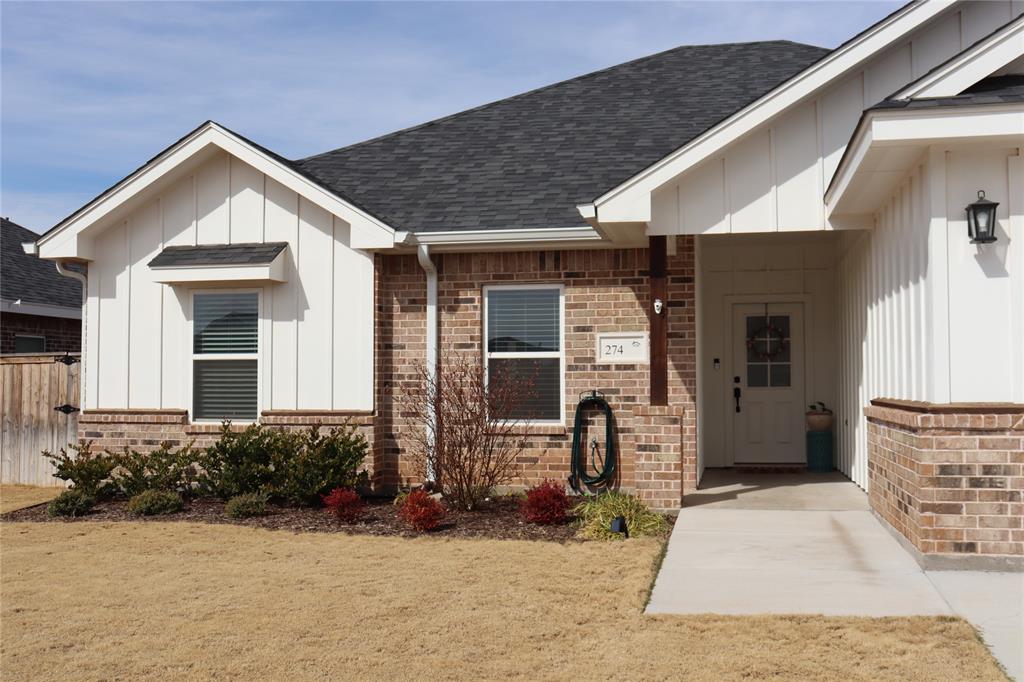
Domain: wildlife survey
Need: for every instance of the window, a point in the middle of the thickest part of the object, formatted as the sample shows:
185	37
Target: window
225	343
523	328
29	344
768	359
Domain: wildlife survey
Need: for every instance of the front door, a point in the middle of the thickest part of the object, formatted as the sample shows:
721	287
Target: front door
767	383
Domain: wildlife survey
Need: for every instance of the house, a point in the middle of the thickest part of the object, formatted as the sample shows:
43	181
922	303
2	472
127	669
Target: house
714	236
40	311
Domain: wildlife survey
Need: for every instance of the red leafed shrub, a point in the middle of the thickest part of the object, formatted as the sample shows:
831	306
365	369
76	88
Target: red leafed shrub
421	511
546	503
346	504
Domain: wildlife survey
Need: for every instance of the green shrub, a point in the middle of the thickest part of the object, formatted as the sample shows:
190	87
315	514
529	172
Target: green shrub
88	472
596	514
317	463
162	469
244	506
154	502
245	461
71	503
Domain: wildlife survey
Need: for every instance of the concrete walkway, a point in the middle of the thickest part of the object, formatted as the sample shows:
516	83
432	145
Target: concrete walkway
807	543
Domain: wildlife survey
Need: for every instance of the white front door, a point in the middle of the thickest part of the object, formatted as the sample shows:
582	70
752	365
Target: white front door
766	383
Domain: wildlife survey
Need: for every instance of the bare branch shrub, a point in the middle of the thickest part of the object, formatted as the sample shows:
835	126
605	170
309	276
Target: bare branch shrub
468	433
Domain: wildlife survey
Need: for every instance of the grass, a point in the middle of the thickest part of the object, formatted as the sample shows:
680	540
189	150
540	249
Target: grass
190	601
14	497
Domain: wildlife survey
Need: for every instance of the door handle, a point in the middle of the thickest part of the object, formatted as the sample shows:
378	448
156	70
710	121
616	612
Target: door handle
736	393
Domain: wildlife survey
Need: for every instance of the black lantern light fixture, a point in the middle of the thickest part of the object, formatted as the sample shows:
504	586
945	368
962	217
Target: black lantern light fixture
981	220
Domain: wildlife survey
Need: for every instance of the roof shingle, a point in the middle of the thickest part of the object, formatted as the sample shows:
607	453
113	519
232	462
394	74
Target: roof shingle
218	254
31	279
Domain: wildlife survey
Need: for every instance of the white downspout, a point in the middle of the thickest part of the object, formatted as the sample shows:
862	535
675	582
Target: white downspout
423	255
85	297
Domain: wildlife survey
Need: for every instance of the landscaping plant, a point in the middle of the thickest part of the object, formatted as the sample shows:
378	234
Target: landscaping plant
244	461
164	469
155	502
71	503
466	427
316	463
596	513
421	511
88	472
247	505
346	504
546	503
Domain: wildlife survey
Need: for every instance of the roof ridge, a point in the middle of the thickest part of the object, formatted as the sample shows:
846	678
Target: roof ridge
549	86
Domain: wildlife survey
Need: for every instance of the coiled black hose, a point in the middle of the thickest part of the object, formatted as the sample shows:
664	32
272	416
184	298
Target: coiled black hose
604	472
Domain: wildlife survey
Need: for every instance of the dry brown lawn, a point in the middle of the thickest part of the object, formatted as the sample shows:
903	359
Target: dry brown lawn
90	600
14	497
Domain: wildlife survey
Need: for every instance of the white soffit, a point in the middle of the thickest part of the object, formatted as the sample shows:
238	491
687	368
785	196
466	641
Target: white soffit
987	56
631	201
888	143
72	237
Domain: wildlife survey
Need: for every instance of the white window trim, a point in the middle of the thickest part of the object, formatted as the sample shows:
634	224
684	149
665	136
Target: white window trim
560	353
258	356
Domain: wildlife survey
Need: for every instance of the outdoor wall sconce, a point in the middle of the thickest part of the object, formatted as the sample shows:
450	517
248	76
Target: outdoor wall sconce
981	220
659	305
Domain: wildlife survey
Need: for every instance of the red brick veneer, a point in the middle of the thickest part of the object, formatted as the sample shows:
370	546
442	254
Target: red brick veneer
950	478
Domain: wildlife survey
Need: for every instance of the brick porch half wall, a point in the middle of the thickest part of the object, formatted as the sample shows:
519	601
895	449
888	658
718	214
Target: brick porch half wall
950	479
605	290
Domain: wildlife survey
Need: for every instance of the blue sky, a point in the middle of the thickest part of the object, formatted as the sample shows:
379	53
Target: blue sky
90	91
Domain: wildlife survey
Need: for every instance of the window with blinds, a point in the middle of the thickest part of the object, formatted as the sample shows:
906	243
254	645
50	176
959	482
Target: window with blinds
225	343
524	343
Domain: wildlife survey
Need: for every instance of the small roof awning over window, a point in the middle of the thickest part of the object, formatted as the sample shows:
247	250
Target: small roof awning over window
221	263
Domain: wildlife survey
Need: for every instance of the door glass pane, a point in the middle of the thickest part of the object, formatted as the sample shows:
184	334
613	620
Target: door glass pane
757	375
754	323
225	323
540	386
780	322
780	374
522	320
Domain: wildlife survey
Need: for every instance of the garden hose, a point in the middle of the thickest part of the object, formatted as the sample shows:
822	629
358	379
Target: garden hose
604	471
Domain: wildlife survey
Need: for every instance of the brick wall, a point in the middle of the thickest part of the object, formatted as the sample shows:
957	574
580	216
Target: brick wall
63	335
605	290
949	478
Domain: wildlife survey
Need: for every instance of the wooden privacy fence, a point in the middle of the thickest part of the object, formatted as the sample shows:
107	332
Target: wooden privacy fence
31	386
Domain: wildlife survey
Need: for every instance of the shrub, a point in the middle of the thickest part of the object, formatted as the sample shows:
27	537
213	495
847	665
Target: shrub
154	502
247	505
546	503
466	426
242	462
596	514
316	464
346	504
421	511
71	503
162	469
88	472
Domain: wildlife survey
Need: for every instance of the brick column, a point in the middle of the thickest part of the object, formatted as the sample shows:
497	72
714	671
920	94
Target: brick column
950	479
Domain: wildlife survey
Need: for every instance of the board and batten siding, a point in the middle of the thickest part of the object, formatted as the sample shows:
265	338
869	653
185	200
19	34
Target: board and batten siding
923	314
772	179
316	329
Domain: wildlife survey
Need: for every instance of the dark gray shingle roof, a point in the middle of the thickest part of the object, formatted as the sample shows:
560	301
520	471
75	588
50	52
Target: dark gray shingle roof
994	90
218	254
27	277
527	161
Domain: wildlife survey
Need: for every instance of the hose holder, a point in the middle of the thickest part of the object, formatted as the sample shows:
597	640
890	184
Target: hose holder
604	470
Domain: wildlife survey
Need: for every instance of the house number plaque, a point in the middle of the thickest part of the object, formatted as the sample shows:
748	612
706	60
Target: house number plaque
615	348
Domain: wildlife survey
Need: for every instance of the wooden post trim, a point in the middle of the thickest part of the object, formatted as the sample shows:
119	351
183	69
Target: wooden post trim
658	276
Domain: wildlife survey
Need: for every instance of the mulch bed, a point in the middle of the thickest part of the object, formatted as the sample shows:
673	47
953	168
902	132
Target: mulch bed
498	520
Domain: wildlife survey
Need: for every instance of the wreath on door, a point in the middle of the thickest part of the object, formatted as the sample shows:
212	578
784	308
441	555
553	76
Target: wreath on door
767	342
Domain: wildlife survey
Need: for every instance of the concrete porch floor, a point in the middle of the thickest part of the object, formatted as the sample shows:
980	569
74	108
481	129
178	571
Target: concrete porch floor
734	489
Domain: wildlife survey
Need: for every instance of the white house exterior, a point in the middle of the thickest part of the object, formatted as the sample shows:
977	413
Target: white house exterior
832	207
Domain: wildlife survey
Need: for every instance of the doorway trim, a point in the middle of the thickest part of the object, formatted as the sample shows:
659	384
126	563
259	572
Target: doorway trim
728	301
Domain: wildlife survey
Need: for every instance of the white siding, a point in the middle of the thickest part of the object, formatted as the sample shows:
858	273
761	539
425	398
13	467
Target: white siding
774	178
317	333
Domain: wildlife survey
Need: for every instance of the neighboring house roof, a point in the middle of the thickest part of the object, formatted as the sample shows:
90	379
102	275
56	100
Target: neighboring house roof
995	90
29	279
527	161
219	254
